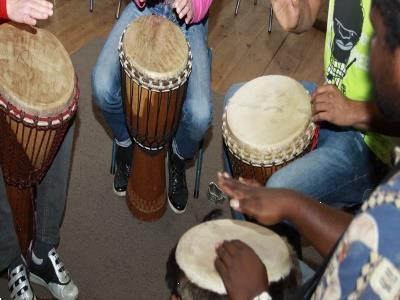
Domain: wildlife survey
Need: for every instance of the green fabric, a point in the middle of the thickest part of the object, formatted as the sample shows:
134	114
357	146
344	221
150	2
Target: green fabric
356	84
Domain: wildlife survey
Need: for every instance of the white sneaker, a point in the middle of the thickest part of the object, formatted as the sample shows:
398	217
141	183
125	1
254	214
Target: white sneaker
52	274
18	284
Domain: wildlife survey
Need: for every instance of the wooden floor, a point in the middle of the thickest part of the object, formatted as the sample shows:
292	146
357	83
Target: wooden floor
242	47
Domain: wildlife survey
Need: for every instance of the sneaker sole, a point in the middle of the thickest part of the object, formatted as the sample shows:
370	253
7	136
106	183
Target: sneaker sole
120	194
37	280
177	211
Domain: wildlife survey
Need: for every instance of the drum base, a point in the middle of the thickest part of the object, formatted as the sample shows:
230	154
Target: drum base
21	203
146	194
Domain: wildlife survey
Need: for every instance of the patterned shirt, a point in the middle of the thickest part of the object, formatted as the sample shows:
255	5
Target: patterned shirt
366	263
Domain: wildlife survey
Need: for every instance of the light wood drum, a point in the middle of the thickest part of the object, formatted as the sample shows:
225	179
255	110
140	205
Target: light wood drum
195	255
156	63
38	99
267	124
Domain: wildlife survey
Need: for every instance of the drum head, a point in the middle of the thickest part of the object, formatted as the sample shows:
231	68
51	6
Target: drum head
155	48
195	253
37	75
266	117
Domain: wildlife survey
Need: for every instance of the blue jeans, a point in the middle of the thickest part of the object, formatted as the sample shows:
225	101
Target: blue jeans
50	205
197	108
341	172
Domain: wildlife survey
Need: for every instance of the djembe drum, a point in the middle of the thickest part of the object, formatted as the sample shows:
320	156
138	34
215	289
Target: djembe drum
195	255
266	124
156	63
38	99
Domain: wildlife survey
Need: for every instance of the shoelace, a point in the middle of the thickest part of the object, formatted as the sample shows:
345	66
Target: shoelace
59	268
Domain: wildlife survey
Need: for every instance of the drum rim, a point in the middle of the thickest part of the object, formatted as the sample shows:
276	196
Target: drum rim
219	287
34	120
64	100
158	85
268	155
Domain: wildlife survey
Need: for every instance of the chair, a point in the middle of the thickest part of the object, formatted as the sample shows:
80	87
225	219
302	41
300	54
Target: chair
237	6
118	8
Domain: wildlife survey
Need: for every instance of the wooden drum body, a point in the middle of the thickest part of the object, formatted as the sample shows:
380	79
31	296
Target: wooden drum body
266	124
156	63
38	99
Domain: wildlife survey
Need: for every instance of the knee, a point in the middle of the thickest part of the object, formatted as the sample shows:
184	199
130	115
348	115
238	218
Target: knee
105	90
200	114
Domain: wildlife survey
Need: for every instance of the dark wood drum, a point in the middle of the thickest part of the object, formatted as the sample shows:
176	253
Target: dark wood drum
38	99
156	63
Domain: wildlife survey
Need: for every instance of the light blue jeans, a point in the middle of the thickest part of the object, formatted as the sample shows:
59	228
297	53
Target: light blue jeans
197	109
341	172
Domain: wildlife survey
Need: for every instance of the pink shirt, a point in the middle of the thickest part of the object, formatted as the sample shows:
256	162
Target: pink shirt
200	9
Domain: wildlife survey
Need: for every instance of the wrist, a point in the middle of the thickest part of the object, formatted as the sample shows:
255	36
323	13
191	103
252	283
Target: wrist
3	10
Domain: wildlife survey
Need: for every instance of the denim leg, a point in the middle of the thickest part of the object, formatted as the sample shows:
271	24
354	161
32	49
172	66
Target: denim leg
106	75
52	193
197	108
9	245
341	172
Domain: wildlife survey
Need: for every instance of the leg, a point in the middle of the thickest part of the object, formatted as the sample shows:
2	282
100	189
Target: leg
340	172
197	108
106	77
9	246
52	193
106	84
46	268
196	116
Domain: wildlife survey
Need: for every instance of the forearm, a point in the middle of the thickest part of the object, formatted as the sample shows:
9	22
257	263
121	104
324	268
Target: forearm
367	116
321	225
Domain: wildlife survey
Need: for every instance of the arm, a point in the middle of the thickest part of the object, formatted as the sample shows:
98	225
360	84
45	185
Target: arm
296	15
330	105
319	224
200	9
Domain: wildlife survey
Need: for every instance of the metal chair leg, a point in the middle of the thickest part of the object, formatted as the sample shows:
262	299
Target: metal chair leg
237	7
112	167
91	5
118	9
199	163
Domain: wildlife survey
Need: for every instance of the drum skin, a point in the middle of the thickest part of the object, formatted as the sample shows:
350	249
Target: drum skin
267	124
156	62
38	99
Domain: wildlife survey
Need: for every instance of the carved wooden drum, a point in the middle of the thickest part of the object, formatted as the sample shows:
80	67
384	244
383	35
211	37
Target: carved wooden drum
156	63
267	124
38	99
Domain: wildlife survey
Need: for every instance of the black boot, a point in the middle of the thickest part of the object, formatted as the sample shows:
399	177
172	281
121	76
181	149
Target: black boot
177	189
123	161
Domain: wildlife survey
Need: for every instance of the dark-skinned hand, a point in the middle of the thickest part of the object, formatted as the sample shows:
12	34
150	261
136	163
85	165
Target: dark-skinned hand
266	205
243	273
329	104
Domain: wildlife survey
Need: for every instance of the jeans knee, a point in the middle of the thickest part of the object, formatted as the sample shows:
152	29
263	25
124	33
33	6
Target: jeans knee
106	95
199	117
